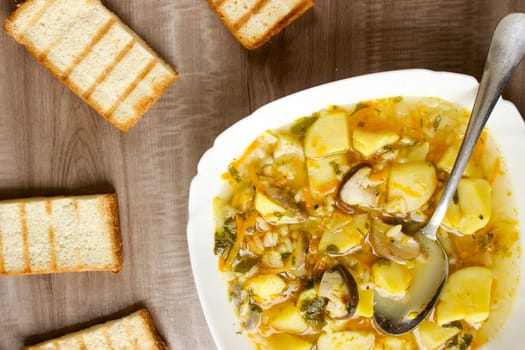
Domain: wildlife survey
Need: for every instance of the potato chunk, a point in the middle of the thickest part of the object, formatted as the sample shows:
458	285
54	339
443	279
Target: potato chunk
410	186
325	173
369	142
285	341
288	147
466	296
392	278
393	343
432	336
418	152
329	134
447	160
347	340
273	212
307	294
288	319
266	287
346	237
471	210
365	307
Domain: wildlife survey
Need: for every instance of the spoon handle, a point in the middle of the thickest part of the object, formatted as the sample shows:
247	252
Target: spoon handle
507	48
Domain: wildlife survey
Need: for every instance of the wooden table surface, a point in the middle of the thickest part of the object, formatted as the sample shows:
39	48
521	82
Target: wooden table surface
53	143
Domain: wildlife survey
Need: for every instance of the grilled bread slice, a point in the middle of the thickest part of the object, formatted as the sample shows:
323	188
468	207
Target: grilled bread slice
135	331
88	48
60	234
254	22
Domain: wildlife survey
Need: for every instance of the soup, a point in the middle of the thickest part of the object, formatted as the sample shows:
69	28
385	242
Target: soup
321	215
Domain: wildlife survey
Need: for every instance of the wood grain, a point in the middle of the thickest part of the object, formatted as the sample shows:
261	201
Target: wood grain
53	143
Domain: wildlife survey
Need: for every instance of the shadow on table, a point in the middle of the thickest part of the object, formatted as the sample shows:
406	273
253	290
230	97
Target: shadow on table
17	193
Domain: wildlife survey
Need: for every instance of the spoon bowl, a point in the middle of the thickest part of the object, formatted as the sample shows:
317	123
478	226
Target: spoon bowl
398	316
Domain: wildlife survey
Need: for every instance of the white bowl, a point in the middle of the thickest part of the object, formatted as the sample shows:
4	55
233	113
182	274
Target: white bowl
505	125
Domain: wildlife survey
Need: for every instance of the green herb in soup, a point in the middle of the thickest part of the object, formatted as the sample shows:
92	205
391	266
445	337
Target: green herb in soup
321	217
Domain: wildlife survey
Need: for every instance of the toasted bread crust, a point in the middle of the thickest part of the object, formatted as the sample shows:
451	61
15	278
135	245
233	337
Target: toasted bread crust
142	313
234	28
108	208
153	330
25	240
41	56
58	270
283	23
114	224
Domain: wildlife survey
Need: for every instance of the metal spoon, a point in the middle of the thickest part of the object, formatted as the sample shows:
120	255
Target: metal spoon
395	317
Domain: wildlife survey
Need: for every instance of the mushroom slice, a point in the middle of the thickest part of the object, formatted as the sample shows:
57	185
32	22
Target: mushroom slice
282	198
340	288
250	315
357	189
391	243
411	223
298	268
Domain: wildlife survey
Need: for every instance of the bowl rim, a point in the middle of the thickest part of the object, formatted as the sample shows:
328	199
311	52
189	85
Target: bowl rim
458	88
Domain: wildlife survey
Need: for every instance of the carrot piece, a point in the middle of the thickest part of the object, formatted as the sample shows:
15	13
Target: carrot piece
232	255
221	263
254	248
376	177
240	226
329	187
254	178
241	231
308	202
312	247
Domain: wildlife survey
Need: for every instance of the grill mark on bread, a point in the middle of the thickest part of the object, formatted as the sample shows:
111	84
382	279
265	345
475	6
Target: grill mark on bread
25	240
2	269
253	39
42	56
152	63
75	209
108	70
96	38
35	19
78	256
285	21
81	342
51	237
52	250
130	333
246	17
56	344
107	339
